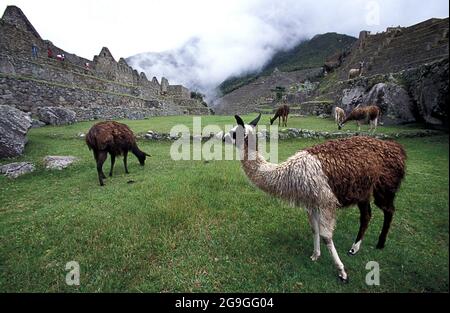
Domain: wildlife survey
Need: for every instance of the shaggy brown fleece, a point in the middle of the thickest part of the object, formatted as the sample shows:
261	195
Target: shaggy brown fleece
281	113
370	112
113	138
358	167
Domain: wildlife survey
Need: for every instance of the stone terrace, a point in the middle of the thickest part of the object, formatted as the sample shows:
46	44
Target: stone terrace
104	89
399	48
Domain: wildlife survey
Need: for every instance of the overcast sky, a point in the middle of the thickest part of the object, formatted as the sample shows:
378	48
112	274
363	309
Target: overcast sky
231	35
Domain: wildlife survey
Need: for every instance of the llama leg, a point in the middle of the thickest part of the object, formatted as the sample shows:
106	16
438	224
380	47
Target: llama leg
326	223
364	219
388	214
359	126
101	159
113	160
95	155
314	222
125	154
385	201
337	261
375	123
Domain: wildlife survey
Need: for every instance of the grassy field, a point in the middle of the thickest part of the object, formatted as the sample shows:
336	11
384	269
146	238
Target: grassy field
201	226
165	123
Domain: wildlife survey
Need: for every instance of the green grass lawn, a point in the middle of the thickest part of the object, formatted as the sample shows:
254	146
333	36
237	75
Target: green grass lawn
201	226
165	123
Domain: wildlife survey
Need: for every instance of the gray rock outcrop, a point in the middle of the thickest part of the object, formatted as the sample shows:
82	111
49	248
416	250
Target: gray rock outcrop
56	115
37	124
14	170
429	87
393	100
58	162
14	125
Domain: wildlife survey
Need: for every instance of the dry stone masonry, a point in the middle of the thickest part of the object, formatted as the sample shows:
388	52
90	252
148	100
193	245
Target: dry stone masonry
101	88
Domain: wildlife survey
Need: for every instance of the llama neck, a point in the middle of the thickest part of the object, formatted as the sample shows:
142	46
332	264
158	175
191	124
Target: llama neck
262	173
135	150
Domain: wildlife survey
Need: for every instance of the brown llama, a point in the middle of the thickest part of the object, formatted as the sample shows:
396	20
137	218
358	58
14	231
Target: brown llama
366	114
327	177
281	113
113	138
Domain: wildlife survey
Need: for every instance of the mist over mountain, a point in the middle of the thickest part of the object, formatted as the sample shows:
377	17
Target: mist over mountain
234	38
199	68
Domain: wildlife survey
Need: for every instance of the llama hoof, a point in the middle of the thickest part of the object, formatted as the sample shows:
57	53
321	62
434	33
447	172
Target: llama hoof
315	256
355	248
380	246
344	280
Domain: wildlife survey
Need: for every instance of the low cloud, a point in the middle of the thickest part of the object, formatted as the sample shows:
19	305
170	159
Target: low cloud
200	43
248	34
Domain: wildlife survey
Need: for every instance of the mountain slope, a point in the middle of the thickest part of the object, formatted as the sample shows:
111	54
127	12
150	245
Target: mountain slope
308	54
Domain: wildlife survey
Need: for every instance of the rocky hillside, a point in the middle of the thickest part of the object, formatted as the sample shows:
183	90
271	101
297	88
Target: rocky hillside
405	73
398	48
308	54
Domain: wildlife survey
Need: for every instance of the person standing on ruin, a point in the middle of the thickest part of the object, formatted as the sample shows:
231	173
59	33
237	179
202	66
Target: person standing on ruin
34	51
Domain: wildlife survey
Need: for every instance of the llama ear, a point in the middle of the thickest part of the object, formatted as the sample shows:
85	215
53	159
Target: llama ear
255	121
239	120
146	154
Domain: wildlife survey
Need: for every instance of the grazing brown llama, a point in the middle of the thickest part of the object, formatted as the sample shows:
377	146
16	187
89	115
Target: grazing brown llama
339	116
113	138
281	113
366	114
327	177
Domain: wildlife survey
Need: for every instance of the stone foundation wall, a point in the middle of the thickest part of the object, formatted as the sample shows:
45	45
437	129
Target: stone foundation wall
27	95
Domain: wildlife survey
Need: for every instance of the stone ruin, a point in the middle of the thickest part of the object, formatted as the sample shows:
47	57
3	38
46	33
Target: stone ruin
102	88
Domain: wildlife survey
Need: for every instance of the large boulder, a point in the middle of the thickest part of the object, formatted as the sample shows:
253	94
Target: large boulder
14	170
393	100
352	97
429	87
14	125
56	115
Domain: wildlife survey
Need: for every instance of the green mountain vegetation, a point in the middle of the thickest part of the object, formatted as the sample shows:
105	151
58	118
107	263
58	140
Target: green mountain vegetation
307	54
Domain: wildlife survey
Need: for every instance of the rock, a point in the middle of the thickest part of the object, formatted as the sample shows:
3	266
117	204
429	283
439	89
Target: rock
393	100
14	125
56	115
429	87
58	162
37	123
81	135
352	97
14	170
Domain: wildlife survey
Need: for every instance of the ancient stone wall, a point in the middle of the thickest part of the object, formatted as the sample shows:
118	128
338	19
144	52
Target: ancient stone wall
105	86
178	91
399	48
28	95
